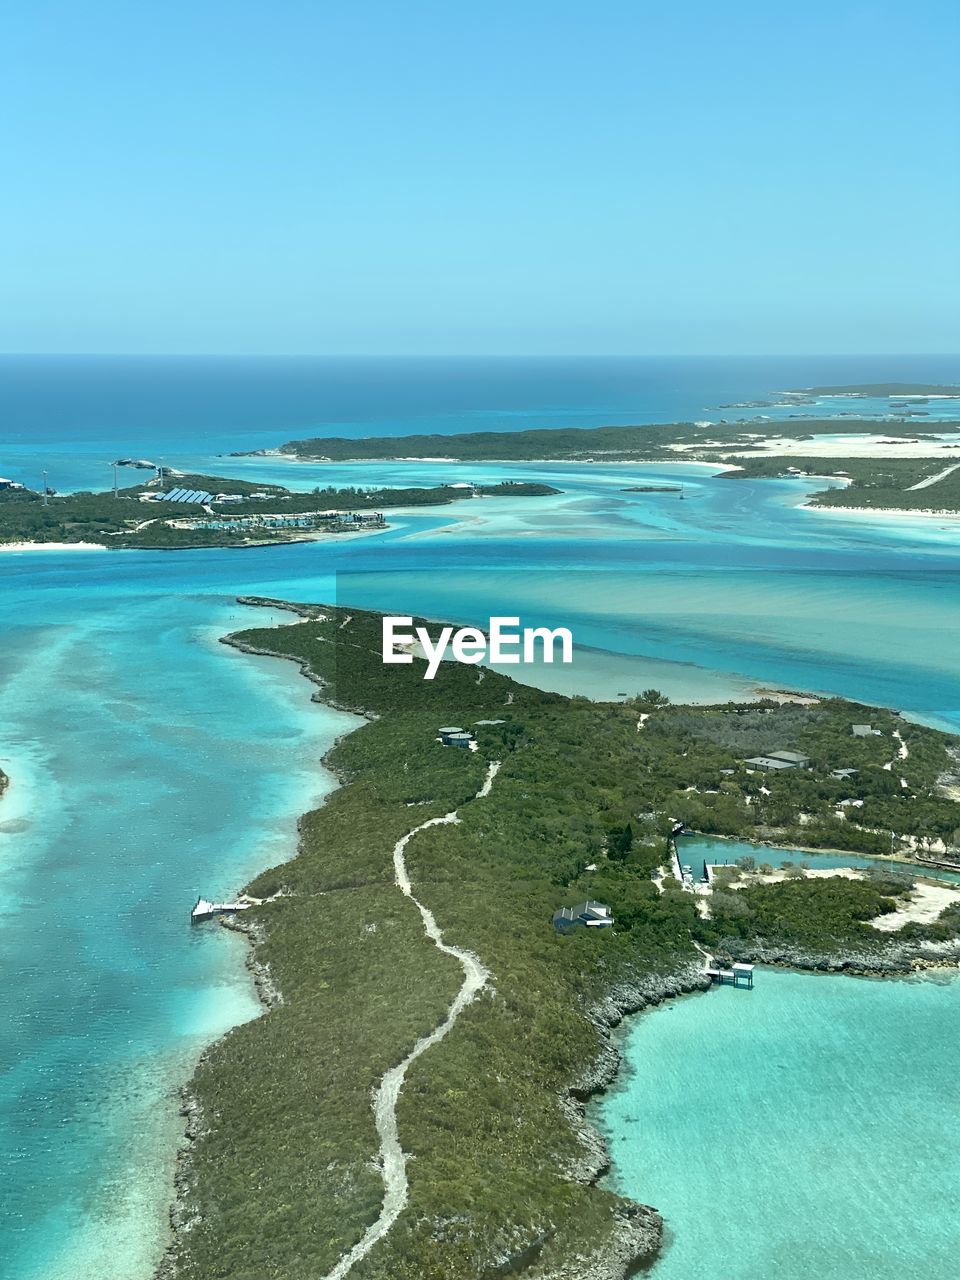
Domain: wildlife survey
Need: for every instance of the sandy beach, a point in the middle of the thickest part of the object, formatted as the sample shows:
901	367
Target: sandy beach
52	546
899	513
927	903
887	445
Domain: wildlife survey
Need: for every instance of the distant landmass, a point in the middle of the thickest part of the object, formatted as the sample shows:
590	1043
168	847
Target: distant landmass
882	389
214	511
645	443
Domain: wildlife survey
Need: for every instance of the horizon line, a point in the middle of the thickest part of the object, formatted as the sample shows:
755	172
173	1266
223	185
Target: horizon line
468	355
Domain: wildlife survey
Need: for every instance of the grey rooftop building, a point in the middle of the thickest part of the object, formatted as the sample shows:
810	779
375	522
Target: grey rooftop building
587	915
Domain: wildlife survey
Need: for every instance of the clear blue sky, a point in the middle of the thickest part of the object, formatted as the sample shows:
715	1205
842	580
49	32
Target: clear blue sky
511	176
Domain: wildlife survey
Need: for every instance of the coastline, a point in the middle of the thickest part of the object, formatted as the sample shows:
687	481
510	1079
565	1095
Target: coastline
595	459
895	513
181	1218
53	546
637	1237
637	1233
323	536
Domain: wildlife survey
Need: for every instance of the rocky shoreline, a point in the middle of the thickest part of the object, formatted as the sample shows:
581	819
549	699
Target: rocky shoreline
637	1230
896	959
638	1233
182	1215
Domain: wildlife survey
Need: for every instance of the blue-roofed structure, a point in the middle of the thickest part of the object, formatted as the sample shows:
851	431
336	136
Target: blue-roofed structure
186	495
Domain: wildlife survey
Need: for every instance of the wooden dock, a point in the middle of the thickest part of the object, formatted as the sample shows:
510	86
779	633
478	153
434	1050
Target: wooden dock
205	910
740	975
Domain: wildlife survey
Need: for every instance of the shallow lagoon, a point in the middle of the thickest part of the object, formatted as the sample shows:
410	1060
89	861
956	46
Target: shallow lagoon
695	850
805	1128
151	764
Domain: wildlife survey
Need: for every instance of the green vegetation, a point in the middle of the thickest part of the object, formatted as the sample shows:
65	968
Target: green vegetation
356	499
281	1178
878	483
803	913
129	520
875	491
801	806
885	389
647	443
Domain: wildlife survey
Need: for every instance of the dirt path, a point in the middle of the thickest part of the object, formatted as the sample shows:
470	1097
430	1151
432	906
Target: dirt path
393	1159
902	752
941	475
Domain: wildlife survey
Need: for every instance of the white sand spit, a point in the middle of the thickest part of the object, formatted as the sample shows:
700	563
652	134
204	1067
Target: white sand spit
52	546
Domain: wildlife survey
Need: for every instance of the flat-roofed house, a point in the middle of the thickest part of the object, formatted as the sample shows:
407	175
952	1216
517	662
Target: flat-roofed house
791	757
768	762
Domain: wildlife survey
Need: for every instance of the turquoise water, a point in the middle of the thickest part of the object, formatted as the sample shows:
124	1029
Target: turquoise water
806	1128
695	850
74	415
150	763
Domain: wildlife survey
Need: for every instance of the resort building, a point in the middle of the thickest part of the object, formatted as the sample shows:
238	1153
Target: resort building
587	915
865	731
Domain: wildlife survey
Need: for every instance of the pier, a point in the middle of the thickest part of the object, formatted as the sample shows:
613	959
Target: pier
205	910
739	975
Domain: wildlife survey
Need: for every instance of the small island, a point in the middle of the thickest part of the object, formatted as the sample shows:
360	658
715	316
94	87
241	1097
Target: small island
559	812
657	442
881	390
890	479
176	511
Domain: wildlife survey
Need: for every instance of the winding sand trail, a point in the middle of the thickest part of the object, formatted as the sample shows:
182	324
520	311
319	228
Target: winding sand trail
902	754
393	1159
931	480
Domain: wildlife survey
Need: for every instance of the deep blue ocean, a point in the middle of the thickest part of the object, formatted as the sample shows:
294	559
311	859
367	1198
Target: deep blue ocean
149	763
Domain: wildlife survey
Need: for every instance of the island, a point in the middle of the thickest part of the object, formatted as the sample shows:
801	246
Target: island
907	486
663	442
890	472
492	887
178	511
880	390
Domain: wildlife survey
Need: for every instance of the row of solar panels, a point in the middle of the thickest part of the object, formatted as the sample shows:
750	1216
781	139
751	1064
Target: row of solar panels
186	495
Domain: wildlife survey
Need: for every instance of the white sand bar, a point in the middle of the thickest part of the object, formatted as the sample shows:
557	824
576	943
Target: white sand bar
889	445
52	546
926	904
